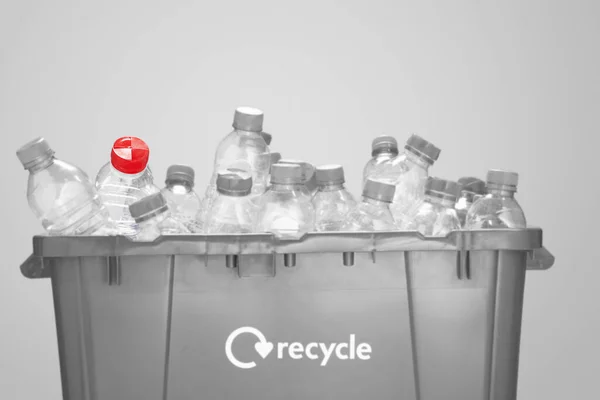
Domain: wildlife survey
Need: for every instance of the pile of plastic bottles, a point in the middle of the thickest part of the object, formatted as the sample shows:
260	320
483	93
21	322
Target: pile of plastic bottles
253	190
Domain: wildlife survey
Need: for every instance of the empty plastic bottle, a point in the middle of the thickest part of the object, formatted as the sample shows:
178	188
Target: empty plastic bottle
267	137
373	213
154	219
384	148
409	172
332	201
61	195
126	183
498	209
308	176
436	215
284	210
231	211
182	200
470	189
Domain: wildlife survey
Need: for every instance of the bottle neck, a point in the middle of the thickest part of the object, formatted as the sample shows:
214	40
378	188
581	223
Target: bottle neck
178	187
42	164
248	133
443	201
331	188
501	192
387	153
287	186
373	202
416	159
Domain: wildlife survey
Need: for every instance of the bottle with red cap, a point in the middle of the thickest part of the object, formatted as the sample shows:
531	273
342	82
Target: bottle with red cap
125	181
60	194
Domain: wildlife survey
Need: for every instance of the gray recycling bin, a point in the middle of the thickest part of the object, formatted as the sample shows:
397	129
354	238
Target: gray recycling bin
388	315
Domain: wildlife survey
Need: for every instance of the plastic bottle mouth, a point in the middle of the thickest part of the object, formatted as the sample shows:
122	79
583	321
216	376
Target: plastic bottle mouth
501	188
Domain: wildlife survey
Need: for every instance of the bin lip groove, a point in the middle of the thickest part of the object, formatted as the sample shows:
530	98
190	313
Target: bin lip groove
317	242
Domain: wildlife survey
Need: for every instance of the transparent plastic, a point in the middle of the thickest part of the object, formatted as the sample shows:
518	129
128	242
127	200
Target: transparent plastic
371	170
231	214
331	204
463	205
409	173
496	210
65	201
369	215
146	178
184	204
118	191
433	217
285	211
161	224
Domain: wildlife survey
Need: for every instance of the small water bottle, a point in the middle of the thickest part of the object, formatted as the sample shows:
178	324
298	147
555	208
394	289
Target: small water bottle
126	182
232	211
332	201
383	148
498	209
284	208
409	172
308	176
436	215
154	219
61	195
470	189
373	213
182	200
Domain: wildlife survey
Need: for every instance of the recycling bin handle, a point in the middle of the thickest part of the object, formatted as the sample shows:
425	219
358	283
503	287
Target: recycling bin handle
35	267
540	259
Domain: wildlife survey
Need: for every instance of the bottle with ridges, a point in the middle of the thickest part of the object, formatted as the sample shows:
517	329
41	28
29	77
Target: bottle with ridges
61	195
470	189
232	211
409	172
498	209
154	219
182	200
373	213
383	148
284	209
308	176
126	183
332	201
436	215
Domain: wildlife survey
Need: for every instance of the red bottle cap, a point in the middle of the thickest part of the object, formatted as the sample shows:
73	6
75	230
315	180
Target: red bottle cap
130	155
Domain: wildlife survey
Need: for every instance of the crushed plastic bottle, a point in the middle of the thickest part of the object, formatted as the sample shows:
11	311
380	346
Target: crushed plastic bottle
231	211
373	213
182	200
126	183
61	195
308	176
284	209
154	219
409	172
470	189
383	148
436	215
332	201
498	209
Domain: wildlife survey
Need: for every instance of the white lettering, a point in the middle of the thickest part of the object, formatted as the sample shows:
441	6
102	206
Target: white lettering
309	353
327	352
338	351
364	351
280	348
296	350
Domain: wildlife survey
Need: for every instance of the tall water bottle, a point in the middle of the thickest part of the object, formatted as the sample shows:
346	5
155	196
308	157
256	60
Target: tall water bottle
332	201
154	219
231	211
383	148
61	195
284	209
373	213
126	182
409	172
182	200
471	188
308	176
436	215
498	209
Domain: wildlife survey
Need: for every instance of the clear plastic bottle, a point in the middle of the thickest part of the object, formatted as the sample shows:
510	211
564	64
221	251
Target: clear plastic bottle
332	201
436	215
383	148
126	183
182	200
308	176
409	172
470	189
284	209
373	213
231	211
154	219
61	195
498	209
267	137
146	178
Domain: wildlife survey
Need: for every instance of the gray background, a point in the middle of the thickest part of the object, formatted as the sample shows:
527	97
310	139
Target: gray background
498	85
